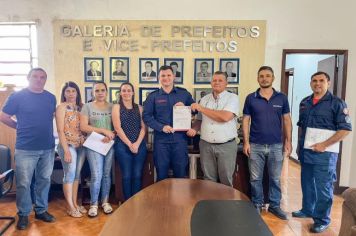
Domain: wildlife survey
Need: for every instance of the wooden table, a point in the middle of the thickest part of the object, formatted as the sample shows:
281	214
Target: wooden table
165	208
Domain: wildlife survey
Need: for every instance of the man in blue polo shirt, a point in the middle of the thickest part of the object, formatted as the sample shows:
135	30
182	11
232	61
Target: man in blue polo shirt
323	112
170	147
267	110
34	109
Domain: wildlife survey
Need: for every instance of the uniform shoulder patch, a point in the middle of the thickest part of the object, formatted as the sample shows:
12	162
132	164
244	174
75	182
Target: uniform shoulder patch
348	119
345	111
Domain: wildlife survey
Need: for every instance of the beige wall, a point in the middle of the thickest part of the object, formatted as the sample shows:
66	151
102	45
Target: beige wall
69	53
304	24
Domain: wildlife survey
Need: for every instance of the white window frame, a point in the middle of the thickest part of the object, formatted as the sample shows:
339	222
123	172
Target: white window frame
13	78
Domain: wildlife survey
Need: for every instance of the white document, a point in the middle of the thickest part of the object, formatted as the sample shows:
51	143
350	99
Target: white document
182	118
95	143
314	135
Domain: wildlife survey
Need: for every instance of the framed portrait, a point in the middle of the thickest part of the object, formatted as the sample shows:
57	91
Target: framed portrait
114	95
234	90
93	69
201	92
203	70
148	70
232	67
88	94
119	69
177	65
144	92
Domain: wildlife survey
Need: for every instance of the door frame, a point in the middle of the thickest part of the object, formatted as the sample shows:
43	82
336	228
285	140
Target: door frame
284	86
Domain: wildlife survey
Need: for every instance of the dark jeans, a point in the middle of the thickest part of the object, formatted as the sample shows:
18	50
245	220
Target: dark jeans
131	166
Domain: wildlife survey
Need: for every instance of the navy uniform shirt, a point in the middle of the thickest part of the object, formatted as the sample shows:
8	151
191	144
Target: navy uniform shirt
158	112
266	116
330	113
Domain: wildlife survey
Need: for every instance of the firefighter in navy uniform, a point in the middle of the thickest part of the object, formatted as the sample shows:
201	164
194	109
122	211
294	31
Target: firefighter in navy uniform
324	111
170	147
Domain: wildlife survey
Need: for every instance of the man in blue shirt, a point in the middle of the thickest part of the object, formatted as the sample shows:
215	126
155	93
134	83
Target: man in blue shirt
325	112
267	110
34	109
170	147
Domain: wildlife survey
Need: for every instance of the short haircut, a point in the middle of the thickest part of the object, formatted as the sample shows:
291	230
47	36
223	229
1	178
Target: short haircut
94	62
119	61
219	72
321	73
149	62
204	62
165	67
229	62
36	69
173	63
265	68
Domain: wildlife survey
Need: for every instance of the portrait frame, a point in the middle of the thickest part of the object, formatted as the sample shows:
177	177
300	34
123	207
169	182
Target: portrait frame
235	69
197	93
180	63
88	91
234	90
143	93
119	78
199	78
142	70
88	78
112	92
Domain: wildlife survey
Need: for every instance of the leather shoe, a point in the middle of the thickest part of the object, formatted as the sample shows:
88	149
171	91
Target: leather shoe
300	214
277	211
45	216
22	222
317	228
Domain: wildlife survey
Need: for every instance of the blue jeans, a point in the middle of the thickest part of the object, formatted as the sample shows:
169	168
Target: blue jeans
131	166
72	169
273	154
40	163
100	175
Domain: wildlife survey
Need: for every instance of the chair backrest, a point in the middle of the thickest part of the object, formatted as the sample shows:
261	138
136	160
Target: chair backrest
5	158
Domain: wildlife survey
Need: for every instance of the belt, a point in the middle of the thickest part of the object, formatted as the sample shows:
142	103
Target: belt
228	141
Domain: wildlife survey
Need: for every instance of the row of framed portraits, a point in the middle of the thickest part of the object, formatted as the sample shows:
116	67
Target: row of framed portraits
114	93
148	69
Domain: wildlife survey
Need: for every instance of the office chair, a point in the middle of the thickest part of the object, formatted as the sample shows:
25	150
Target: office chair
6	181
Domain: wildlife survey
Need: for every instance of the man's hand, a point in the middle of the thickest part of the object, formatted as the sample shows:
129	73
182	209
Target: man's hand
168	129
288	148
179	104
247	149
318	147
196	107
191	132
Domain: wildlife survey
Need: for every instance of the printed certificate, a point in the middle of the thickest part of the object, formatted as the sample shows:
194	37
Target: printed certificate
314	135
95	143
182	118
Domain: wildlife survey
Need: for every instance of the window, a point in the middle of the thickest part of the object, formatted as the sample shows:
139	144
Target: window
18	52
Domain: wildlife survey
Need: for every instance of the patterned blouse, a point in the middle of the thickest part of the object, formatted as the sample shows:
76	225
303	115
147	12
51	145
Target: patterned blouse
71	125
